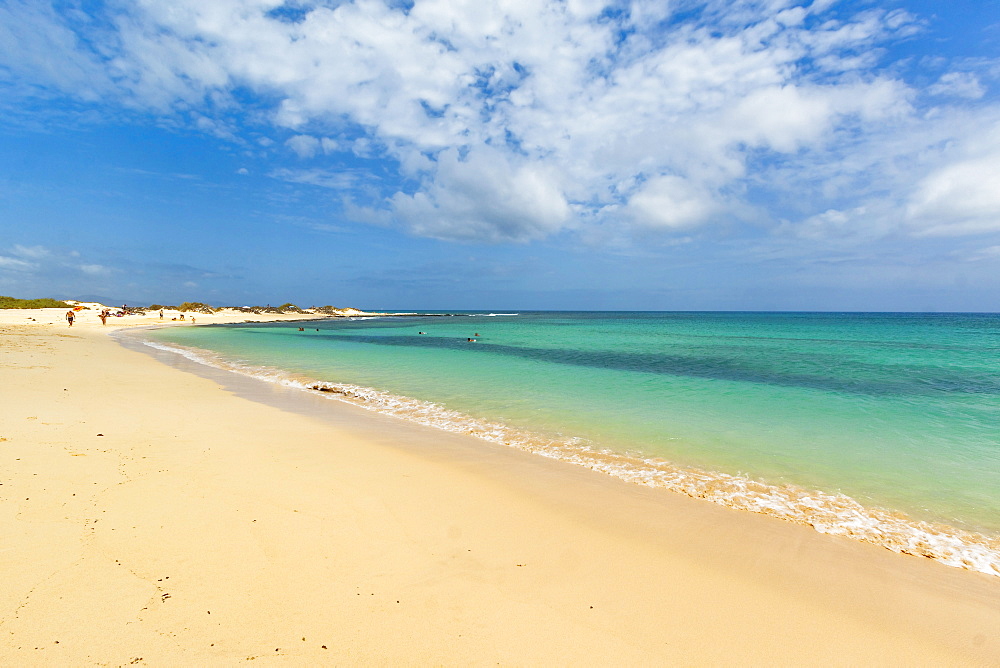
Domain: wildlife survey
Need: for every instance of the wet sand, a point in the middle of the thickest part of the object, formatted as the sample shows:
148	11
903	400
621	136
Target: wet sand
156	516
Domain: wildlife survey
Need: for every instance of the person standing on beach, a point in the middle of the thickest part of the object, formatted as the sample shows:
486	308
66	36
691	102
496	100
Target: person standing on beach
104	317
161	314
70	316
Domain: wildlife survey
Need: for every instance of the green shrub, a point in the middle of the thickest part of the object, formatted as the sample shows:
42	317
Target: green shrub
197	307
13	302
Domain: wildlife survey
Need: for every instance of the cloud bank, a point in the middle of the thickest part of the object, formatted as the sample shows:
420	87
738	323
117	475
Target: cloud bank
519	120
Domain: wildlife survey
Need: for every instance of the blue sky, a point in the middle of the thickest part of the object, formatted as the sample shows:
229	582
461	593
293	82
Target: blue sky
518	154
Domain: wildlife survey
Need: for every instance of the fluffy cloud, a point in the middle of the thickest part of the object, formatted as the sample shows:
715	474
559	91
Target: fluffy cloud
960	198
515	120
307	146
959	84
303	145
483	196
670	202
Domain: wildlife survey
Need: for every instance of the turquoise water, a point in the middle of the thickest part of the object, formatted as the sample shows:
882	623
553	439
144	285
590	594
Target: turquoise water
798	415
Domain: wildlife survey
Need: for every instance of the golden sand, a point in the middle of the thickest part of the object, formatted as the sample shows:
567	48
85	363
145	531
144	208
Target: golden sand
153	516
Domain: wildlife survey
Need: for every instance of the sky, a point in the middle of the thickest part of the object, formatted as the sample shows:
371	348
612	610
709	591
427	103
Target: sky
505	154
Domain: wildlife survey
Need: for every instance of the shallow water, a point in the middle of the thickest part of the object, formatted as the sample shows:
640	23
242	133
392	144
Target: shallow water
881	426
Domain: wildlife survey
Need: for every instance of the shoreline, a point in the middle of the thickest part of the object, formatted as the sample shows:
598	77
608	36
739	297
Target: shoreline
830	513
211	526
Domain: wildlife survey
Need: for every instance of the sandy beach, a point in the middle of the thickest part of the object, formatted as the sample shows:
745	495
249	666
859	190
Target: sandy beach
154	514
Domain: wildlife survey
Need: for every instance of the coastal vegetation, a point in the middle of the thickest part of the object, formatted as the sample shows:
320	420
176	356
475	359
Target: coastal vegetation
197	307
14	302
185	307
284	309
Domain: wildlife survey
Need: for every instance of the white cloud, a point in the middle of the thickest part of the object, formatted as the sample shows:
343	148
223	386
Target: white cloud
958	84
15	264
859	226
959	198
515	120
307	146
214	127
40	46
335	180
670	202
485	197
33	252
303	145
95	269
42	261
988	253
328	145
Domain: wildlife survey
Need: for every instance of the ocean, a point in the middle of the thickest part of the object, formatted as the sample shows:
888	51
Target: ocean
880	426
